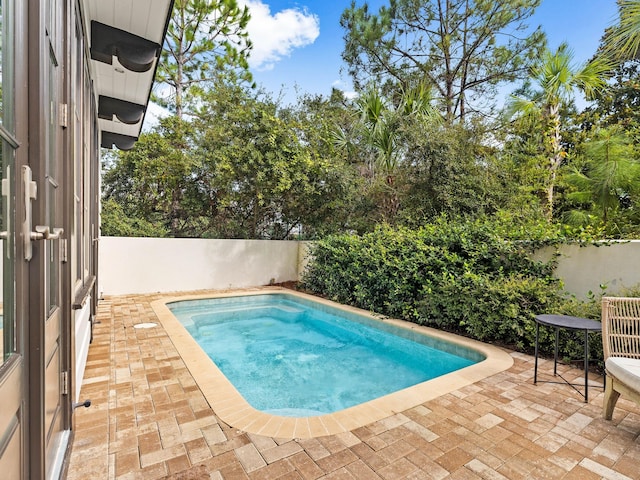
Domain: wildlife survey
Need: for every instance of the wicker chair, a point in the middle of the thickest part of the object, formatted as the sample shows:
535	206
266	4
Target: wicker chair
621	347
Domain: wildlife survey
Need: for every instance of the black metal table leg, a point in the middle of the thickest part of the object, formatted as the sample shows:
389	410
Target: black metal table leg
555	353
535	365
586	366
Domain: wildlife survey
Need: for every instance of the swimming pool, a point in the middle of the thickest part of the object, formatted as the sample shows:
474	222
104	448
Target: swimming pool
231	406
293	357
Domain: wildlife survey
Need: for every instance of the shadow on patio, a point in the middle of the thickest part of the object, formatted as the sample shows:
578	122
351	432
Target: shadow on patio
149	420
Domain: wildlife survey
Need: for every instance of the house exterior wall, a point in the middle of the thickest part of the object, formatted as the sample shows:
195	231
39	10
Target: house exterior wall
66	81
145	265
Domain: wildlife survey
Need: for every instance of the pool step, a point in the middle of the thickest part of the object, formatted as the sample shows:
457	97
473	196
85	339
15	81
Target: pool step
240	312
214	309
245	308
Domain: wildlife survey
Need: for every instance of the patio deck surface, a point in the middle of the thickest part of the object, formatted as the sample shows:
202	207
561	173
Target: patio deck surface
149	420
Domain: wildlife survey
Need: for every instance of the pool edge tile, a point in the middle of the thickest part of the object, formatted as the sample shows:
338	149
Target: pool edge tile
317	427
271	428
287	428
302	428
332	424
252	422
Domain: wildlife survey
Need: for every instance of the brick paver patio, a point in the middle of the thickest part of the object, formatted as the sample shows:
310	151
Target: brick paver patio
149	420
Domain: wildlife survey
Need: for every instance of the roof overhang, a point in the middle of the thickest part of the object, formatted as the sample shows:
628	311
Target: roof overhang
125	39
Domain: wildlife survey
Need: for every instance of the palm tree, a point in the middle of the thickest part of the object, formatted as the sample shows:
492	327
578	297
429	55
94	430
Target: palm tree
611	177
557	80
381	122
379	129
623	40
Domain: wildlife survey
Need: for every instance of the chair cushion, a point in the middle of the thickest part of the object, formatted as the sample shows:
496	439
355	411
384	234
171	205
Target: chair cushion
627	370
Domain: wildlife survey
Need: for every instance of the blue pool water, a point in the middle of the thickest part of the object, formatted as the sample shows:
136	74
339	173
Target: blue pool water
294	357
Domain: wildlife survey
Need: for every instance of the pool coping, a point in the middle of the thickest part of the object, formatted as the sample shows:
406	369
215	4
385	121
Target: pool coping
229	405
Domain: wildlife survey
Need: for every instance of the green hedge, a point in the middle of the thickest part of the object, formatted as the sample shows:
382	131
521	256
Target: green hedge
456	276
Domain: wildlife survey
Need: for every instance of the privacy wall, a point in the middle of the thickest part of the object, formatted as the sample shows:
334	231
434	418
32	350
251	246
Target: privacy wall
615	265
147	265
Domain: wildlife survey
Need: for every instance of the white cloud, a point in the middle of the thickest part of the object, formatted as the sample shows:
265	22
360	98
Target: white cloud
276	36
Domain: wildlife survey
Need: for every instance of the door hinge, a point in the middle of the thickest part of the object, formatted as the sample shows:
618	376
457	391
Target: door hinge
64	383
64	115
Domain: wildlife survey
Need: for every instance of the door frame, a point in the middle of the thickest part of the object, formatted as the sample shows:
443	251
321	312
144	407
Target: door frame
38	98
13	372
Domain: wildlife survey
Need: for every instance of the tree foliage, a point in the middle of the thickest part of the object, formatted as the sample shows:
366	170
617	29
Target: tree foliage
206	40
264	178
619	103
449	170
235	163
622	41
115	222
378	138
240	167
155	183
607	188
462	49
557	79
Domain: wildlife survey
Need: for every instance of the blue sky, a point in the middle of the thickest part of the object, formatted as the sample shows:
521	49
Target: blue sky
299	43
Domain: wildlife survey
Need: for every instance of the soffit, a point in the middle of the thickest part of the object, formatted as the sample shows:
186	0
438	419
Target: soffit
147	19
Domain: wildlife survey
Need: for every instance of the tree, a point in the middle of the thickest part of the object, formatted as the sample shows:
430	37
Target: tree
265	167
450	170
156	184
238	166
382	122
608	183
378	138
463	49
623	40
523	163
206	39
619	104
557	80
115	222
343	204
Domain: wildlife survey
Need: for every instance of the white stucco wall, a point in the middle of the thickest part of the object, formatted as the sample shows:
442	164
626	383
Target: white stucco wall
146	265
584	269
